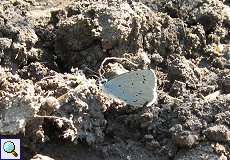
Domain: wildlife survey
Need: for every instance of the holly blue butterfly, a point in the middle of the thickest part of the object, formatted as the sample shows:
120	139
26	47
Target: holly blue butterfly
136	88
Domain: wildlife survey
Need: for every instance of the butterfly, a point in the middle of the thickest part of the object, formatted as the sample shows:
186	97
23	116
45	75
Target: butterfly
136	88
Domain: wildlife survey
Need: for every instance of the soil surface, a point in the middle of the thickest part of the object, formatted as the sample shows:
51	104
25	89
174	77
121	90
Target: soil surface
52	58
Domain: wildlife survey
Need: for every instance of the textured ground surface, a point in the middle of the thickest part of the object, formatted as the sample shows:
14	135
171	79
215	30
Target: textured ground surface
48	46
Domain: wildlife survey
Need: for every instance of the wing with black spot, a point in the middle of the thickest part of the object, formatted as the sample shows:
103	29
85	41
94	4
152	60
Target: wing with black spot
135	88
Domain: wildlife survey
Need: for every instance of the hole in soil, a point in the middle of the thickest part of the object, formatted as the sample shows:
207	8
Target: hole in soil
172	12
55	132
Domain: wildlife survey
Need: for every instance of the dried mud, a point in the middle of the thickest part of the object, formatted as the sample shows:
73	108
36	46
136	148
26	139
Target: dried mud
51	52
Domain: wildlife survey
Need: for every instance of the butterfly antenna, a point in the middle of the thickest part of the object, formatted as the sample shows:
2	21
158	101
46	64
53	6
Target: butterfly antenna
87	68
113	58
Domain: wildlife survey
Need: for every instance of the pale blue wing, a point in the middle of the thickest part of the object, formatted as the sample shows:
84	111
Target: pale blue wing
136	88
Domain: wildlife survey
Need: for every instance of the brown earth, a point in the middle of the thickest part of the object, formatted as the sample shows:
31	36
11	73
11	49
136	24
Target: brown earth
50	55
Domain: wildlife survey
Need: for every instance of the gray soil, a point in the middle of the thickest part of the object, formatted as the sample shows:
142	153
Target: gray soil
50	55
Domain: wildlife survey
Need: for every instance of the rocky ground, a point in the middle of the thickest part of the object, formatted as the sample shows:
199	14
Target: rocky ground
51	51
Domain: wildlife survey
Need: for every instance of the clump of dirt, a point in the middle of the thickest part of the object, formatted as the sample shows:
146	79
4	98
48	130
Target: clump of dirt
52	51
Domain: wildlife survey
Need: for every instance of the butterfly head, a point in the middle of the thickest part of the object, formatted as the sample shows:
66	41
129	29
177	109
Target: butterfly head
101	81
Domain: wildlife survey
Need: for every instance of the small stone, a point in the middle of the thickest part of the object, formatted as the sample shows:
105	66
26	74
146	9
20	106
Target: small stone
50	105
143	58
148	136
178	88
223	157
218	133
5	43
152	145
185	139
157	58
40	137
219	148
